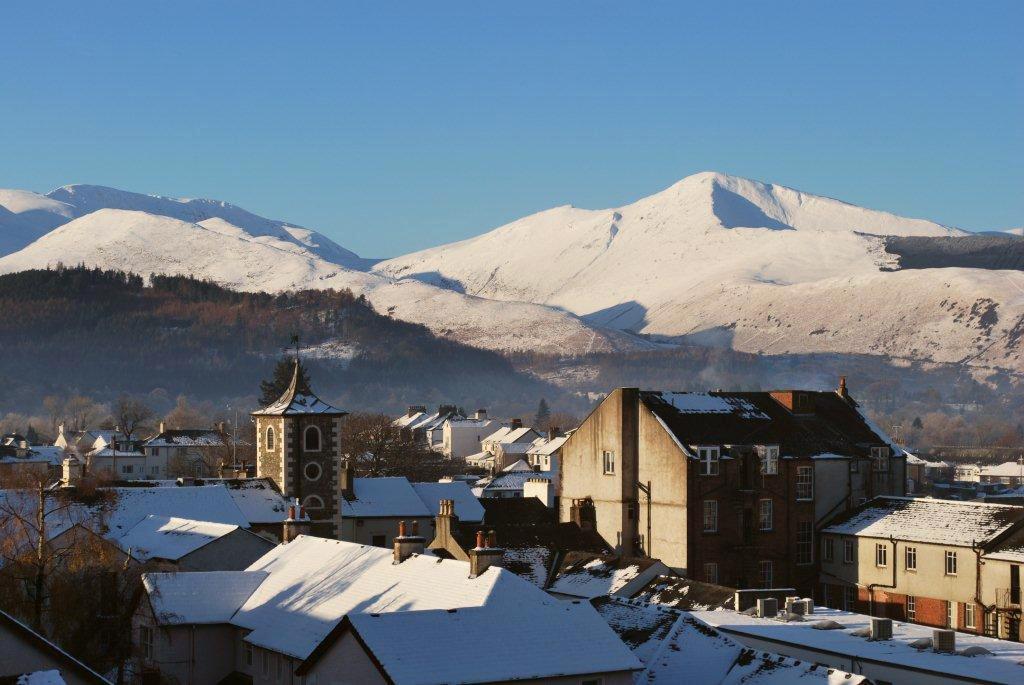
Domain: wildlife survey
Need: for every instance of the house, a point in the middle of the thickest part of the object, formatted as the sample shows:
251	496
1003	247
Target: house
967	473
283	620
28	658
298	447
725	487
897	652
371	508
118	461
191	545
504	446
675	647
927	561
186	451
1007	473
586	576
19	458
427	430
514	480
545	455
461	436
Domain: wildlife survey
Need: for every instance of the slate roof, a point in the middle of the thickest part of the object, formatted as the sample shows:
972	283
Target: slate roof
171	538
395	496
467	507
686	593
922	519
188	437
294	403
199	598
67	662
575	642
588	575
833	426
258	499
514	480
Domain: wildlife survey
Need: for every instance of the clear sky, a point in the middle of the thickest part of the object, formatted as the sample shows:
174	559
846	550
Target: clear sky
396	126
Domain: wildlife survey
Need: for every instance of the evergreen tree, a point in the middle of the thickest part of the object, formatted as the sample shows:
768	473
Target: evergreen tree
540	421
272	389
32	435
918	424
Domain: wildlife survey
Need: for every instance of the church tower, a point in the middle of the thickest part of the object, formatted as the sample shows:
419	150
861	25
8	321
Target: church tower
298	446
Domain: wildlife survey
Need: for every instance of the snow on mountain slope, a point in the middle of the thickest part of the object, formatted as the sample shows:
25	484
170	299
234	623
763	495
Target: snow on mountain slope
727	261
25	216
217	249
90	198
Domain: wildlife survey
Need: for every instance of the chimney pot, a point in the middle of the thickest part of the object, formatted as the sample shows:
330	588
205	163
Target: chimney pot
415	527
163	427
401	529
492	539
481	542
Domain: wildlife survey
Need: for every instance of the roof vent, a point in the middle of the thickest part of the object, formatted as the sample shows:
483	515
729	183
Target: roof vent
944	640
767	607
881	628
973	650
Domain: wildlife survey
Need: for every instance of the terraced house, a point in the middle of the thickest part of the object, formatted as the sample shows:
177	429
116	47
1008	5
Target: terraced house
726	487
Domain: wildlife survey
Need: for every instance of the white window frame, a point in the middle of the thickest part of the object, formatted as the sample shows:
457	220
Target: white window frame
710	456
849	552
765	515
951	568
710	512
805	547
849	598
910	559
969	617
911	607
881	555
766	573
319	439
313	503
880	459
769	460
804	483
270	438
608	462
950	614
711	572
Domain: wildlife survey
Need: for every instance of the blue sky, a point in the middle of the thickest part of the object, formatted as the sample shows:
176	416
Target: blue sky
399	127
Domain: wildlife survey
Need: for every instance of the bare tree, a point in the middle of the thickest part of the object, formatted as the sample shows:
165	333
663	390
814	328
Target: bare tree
131	414
378	448
188	415
82	412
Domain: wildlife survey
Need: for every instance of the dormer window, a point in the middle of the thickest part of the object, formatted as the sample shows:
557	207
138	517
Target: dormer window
880	459
709	457
270	438
769	455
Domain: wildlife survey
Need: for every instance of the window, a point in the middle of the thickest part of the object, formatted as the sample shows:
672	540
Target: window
379	540
991	629
711	573
270	438
804	482
313	471
949	614
146	641
311	439
765	514
709	457
765	573
154	470
950	563
710	516
880	459
969	616
126	468
804	542
881	554
248	654
830	549
910	558
312	502
849	598
848	552
609	462
911	607
769	460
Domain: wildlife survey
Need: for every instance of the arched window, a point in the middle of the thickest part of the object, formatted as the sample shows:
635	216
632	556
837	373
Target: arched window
313	471
270	438
312	503
312	439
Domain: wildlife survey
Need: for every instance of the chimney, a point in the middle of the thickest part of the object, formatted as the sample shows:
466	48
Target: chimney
220	427
517	423
408	544
444	522
72	472
554	432
485	554
481	415
346	480
841	390
296	524
583	513
163	427
415	409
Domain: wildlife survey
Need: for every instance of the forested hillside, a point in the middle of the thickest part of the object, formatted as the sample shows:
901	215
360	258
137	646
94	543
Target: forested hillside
104	333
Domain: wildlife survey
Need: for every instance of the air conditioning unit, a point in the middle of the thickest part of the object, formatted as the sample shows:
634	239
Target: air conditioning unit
881	628
767	607
810	605
944	640
796	606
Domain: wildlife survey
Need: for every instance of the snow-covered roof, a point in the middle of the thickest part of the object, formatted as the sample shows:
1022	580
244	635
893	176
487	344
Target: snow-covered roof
516	447
514	480
576	642
1008	469
685	593
314	582
1001	666
592	575
292	402
379	497
405	420
706	403
200	503
170	537
507	434
51	677
258	500
548	447
110	453
927	520
206	597
517	465
188	437
1011	551
467	507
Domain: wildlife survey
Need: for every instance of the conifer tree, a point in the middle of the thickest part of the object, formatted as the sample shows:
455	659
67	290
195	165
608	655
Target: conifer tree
274	387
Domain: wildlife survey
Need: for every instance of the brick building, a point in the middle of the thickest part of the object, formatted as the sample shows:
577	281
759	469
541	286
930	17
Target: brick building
298	446
725	487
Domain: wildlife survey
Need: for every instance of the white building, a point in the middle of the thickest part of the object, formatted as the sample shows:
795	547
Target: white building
461	436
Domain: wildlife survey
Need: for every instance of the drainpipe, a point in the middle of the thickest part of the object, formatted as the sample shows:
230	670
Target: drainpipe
872	586
985	608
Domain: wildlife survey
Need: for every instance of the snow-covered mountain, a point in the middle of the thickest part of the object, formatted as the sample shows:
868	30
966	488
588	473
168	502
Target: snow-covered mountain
727	261
209	239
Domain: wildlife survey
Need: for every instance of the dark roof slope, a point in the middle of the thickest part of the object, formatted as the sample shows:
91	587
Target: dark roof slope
65	661
686	593
828	425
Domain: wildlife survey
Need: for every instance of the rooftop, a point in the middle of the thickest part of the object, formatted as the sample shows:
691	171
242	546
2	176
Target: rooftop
588	575
686	593
292	402
171	538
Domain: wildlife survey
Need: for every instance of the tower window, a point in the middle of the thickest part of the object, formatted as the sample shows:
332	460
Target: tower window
313	471
313	503
270	438
311	439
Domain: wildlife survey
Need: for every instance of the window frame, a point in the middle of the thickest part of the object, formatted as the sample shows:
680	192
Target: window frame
849	552
970	620
307	504
765	515
710	457
880	456
319	471
608	462
881	555
804	548
146	641
711	572
951	556
950	613
769	460
804	487
319	439
910	555
911	607
270	439
709	506
766	579
829	551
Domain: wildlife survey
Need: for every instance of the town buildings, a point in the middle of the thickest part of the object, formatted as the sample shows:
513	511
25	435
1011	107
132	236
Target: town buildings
462	436
725	487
